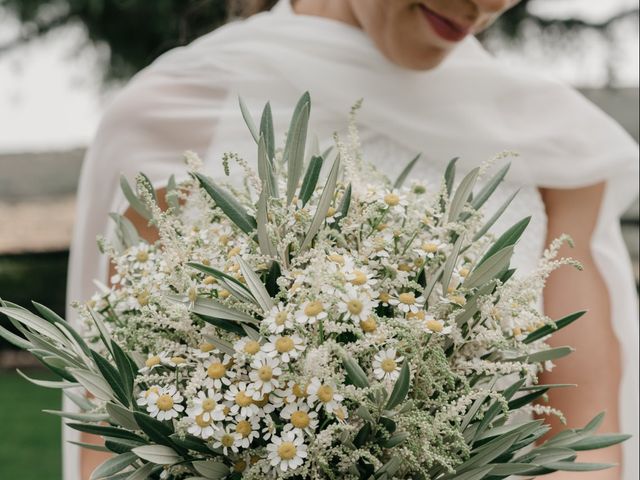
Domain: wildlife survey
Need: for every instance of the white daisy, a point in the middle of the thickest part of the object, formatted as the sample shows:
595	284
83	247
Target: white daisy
359	277
324	395
165	404
287	452
278	319
300	417
264	375
285	347
386	365
394	200
208	405
154	361
248	429
431	248
218	372
227	439
205	350
310	312
355	306
144	395
246	348
239	399
407	302
436	326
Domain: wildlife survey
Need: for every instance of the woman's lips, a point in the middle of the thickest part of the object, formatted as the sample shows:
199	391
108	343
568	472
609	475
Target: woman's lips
444	27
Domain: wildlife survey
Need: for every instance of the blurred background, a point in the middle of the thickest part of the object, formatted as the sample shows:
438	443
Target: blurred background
62	60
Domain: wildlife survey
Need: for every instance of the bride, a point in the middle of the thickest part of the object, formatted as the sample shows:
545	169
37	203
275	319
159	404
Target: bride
429	87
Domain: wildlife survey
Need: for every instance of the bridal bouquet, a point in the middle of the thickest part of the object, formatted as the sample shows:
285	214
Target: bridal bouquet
319	322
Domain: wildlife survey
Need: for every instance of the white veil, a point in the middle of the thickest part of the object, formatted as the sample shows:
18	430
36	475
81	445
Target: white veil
471	107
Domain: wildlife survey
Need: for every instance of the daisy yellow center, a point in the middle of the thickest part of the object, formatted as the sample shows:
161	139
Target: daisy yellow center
243	428
209	280
430	247
206	347
143	298
359	278
142	256
205	261
517	331
325	393
388	365
233	252
224	293
300	419
224	239
369	325
265	373
240	466
284	344
252	347
354	307
464	272
287	450
165	402
381	227
391	199
434	325
243	399
298	391
152	361
458	299
331	212
201	422
407	298
281	318
384	297
339	259
208	404
178	360
263	401
404	267
216	370
419	315
227	440
313	309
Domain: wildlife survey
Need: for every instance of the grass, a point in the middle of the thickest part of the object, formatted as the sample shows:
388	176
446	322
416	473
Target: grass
30	440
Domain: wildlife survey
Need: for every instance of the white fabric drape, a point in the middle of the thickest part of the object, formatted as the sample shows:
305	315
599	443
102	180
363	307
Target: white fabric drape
472	106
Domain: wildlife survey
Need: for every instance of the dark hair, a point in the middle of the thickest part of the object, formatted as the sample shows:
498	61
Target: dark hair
246	8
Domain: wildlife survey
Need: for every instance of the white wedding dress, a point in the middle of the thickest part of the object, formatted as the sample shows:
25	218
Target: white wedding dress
471	106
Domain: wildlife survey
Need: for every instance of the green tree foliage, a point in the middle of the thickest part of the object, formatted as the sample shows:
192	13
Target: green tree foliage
137	31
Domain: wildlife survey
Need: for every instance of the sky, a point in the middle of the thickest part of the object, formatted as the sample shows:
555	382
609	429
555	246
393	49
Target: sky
51	96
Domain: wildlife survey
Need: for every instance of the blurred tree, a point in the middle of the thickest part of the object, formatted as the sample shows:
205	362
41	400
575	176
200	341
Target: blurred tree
137	31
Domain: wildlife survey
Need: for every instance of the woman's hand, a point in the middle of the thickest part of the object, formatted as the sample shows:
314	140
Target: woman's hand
595	365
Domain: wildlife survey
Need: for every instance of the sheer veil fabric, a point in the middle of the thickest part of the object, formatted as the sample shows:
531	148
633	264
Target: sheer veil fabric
472	107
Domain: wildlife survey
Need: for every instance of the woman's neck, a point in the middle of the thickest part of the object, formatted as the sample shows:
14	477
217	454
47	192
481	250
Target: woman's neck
339	10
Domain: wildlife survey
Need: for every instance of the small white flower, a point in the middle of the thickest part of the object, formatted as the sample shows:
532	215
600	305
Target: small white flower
431	248
324	395
386	365
310	312
208	405
227	439
155	361
356	306
284	347
287	452
436	326
279	319
219	372
144	396
394	200
360	277
300	417
264	375
248	429
165	404
407	302
239	399
246	348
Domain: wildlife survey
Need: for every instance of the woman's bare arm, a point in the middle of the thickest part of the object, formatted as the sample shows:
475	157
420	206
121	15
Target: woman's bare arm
90	459
595	365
